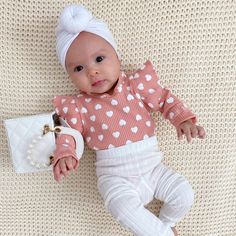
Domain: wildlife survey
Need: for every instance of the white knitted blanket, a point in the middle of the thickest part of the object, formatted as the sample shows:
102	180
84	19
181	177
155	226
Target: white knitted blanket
193	47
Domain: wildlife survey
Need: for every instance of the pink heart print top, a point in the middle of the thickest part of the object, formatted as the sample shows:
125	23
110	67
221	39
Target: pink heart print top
107	121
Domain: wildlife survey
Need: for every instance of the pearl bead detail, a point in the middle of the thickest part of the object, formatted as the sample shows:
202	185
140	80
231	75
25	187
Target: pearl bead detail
39	165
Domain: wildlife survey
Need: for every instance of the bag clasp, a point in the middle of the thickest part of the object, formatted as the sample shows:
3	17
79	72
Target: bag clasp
46	129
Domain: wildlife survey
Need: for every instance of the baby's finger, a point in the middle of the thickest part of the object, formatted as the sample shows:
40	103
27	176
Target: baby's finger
56	172
201	132
179	134
194	131
75	164
187	133
63	167
69	163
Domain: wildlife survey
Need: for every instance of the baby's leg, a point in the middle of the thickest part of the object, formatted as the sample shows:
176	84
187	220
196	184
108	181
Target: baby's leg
124	203
175	192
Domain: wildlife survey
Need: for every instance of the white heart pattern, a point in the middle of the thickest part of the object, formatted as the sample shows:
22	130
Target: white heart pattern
65	109
109	113
63	100
137	95
88	139
171	115
148	123
84	110
134	129
100	137
98	106
170	100
126	109
140	104
120	88
93	118
74	120
122	122
150	105
138	117
136	76
92	129
88	100
104	126
148	77
140	86
114	102
116	134
151	91
130	97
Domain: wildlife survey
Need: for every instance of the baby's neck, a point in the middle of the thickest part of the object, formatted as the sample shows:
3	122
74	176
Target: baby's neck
111	90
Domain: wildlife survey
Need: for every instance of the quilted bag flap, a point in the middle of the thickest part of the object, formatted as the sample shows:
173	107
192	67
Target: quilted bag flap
24	140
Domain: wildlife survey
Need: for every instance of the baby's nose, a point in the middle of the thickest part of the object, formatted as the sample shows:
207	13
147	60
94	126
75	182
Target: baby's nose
93	71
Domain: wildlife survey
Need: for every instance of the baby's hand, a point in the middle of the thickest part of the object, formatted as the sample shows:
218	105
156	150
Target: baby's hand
64	166
190	130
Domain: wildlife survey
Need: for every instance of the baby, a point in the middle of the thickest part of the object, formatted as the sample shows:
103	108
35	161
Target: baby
112	112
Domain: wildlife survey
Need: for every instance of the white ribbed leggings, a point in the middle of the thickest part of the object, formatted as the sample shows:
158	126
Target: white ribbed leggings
129	177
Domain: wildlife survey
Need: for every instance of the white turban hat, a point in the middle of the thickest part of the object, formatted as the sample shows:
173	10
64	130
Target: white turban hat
73	20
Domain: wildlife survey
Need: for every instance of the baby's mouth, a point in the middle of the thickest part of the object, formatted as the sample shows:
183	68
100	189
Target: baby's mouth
98	83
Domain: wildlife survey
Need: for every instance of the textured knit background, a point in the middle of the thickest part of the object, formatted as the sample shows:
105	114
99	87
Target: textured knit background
192	45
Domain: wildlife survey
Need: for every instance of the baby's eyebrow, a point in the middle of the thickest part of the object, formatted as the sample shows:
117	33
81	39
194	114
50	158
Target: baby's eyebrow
72	64
98	51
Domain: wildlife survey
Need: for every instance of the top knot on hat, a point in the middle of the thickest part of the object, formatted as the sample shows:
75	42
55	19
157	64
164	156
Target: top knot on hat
73	20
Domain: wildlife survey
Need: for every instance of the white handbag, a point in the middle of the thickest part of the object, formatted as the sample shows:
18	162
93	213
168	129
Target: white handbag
31	140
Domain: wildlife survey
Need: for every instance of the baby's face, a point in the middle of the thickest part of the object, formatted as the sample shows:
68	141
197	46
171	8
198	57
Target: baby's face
92	64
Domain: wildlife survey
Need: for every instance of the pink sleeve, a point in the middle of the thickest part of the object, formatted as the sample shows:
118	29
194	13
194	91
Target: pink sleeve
65	147
146	85
65	107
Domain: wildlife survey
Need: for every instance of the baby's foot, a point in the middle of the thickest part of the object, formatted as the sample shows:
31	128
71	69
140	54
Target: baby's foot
175	231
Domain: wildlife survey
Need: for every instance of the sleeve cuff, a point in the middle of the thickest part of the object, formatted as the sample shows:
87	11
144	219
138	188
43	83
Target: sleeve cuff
64	152
183	117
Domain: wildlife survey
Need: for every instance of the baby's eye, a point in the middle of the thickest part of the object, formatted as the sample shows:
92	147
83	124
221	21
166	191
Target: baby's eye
78	68
99	58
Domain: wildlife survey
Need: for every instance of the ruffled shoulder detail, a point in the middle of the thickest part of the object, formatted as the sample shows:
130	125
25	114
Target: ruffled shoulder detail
144	82
66	107
145	71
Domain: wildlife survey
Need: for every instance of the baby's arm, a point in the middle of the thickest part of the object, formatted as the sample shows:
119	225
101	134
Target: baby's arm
65	158
146	84
180	116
